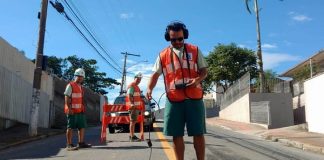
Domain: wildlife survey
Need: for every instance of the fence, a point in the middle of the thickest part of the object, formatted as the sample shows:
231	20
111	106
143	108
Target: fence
271	85
236	91
16	99
245	85
16	78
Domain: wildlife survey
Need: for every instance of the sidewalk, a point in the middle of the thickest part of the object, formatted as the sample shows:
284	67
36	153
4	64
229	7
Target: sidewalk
19	135
295	136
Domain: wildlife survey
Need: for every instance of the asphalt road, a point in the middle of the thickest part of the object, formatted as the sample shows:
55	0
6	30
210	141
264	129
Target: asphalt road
220	145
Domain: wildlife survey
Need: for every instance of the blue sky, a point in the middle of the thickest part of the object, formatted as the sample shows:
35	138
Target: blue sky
291	30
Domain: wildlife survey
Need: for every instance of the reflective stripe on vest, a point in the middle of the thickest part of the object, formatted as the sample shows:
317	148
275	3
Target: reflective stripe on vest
76	98
135	103
180	72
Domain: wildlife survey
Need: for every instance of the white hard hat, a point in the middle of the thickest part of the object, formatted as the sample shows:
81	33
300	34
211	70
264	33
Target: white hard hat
79	72
138	75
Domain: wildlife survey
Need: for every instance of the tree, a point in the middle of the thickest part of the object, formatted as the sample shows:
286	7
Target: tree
269	81
304	73
94	80
227	63
56	65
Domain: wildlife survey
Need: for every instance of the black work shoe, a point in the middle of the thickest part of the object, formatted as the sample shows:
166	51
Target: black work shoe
84	145
134	139
71	147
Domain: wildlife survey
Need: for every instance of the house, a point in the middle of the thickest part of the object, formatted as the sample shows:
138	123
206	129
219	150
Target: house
307	88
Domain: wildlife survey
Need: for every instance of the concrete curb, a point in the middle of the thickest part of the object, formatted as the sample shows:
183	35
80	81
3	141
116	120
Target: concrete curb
296	144
30	139
285	141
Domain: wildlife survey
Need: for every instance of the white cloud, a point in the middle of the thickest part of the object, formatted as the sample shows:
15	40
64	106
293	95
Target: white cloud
272	34
129	61
291	13
299	17
287	43
241	46
272	60
269	46
126	15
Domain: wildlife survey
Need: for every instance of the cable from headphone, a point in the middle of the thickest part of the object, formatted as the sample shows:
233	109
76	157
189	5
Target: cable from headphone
149	142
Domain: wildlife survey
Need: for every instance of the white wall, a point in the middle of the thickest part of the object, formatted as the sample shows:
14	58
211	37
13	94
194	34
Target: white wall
16	80
47	85
237	111
281	112
314	103
299	101
16	62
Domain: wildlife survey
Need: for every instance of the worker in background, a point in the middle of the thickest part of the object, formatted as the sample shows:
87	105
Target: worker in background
74	110
133	100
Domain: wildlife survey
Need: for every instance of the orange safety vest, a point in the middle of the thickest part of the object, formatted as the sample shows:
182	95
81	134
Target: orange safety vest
136	96
77	105
179	71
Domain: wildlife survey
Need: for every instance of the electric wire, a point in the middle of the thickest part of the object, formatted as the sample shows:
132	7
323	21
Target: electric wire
119	26
76	27
82	22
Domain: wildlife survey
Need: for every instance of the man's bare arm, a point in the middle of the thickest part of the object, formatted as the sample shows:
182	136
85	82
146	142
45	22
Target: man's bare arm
68	103
151	84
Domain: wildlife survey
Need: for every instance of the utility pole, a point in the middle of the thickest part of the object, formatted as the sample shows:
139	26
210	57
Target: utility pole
259	52
38	71
123	86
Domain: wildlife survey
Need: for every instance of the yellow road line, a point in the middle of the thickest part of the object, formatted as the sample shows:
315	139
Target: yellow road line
167	148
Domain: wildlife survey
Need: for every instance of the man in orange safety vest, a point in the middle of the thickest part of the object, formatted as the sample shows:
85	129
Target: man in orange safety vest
74	109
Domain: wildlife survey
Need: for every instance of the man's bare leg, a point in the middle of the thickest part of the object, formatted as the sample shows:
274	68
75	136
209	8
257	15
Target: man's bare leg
178	147
199	144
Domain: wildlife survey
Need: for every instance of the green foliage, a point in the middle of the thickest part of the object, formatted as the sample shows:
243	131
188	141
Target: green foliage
303	73
270	80
227	63
94	80
56	65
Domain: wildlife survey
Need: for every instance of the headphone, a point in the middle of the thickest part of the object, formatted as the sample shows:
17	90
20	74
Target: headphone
176	26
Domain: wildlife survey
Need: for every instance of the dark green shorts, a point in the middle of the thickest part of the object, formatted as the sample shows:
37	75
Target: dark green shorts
76	121
189	113
133	116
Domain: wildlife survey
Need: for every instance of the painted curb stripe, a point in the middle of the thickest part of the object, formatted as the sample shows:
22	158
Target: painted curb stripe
167	148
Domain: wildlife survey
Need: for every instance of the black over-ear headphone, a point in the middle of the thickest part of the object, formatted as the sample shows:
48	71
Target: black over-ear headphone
176	26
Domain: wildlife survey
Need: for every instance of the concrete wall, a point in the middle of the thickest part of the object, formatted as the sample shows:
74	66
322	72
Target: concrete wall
299	109
280	107
237	111
16	62
314	102
299	101
16	79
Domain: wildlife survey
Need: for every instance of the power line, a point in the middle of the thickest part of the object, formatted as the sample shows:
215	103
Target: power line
92	44
89	31
126	39
60	9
